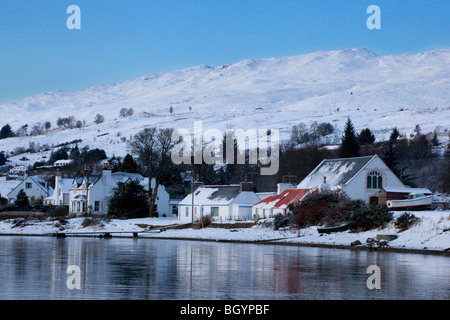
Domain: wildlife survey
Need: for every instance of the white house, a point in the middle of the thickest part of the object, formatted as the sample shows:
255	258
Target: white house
61	192
62	163
34	187
360	178
19	169
80	194
98	190
227	202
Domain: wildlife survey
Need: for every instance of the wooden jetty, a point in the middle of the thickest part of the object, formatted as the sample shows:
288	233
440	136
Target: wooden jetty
109	234
100	234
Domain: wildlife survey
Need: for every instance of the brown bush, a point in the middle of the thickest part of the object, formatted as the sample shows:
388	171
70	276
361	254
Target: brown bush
324	209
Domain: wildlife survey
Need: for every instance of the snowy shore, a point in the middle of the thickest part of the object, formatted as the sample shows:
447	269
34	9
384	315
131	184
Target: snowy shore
431	234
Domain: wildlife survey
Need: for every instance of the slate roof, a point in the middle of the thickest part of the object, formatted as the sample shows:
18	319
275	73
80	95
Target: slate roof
213	195
92	179
337	171
124	176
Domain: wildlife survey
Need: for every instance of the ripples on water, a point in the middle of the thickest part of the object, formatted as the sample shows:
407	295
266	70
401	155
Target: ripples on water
35	268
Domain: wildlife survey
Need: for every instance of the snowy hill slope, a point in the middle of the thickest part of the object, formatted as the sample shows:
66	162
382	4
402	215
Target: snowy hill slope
378	92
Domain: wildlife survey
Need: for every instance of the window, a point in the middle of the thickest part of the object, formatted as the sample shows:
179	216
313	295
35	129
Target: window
214	211
97	206
374	180
28	185
187	211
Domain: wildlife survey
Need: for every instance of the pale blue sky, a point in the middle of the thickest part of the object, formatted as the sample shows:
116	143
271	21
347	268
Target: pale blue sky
121	40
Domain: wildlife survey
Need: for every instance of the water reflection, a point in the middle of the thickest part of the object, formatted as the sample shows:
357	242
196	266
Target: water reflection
35	268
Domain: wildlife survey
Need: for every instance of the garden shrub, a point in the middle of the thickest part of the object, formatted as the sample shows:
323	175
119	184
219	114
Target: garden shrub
405	221
323	209
363	217
281	221
58	211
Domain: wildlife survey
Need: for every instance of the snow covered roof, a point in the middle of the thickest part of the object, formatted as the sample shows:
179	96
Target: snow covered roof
213	195
62	162
337	172
92	179
41	183
124	176
66	184
283	199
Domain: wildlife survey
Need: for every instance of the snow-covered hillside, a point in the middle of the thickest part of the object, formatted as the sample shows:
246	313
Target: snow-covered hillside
379	92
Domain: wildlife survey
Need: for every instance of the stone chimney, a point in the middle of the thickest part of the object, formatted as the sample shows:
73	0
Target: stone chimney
246	186
325	187
195	184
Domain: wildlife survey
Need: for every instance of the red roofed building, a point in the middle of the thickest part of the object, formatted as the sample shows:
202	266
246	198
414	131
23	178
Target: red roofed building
279	203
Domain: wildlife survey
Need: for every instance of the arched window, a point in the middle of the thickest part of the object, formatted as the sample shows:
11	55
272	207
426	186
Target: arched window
374	180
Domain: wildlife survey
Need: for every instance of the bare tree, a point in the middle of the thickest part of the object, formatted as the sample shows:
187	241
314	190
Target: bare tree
152	147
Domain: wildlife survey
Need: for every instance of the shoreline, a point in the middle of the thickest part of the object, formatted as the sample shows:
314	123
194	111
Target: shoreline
277	242
429	235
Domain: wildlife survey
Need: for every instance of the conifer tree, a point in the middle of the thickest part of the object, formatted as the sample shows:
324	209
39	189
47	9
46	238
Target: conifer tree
435	140
22	201
350	146
129	165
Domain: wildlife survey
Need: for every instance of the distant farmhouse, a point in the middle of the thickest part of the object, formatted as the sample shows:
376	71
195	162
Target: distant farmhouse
62	163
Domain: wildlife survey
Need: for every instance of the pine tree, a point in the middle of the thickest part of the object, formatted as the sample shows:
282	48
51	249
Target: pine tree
74	153
435	141
128	201
2	158
394	135
350	146
366	137
391	159
6	132
22	201
129	165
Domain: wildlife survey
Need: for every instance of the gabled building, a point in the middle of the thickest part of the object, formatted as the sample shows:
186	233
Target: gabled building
35	188
221	202
360	178
61	191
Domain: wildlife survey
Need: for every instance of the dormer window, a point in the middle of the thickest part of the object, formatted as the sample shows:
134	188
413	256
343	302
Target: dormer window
374	180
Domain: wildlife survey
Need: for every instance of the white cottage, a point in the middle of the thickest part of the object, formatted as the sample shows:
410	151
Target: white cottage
227	202
61	191
98	190
34	187
360	178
